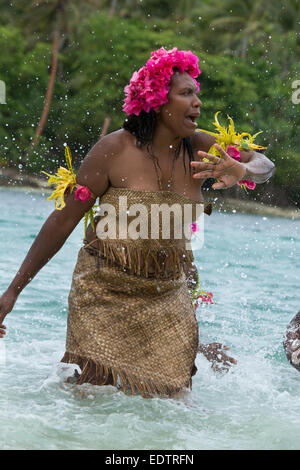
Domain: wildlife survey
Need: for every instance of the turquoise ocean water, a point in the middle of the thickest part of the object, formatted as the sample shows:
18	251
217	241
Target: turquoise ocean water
252	266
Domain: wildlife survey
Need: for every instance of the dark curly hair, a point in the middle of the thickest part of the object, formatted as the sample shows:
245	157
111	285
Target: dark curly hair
143	127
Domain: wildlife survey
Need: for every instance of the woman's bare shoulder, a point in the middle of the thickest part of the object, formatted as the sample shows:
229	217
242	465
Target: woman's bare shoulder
112	144
202	141
95	167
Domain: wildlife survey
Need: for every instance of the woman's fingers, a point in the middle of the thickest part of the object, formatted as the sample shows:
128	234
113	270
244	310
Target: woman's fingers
221	356
217	345
2	330
214	158
219	185
203	175
222	152
213	173
214	168
213	352
209	156
203	165
230	359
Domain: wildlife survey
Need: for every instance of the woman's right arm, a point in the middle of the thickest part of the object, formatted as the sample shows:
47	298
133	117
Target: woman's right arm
93	173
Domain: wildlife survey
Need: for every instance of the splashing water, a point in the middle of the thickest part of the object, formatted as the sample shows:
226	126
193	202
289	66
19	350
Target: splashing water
250	263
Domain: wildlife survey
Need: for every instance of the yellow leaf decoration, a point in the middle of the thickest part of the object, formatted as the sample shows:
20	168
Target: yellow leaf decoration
64	178
228	136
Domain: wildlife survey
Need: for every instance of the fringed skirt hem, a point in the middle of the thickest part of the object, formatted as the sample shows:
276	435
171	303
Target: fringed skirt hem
98	374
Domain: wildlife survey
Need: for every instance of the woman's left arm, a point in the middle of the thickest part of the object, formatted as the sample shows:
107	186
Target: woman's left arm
258	167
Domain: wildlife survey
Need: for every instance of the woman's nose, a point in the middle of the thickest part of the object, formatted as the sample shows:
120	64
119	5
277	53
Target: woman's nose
197	103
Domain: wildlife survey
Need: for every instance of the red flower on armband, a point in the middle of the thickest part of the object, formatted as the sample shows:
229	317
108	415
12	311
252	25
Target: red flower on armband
248	184
82	194
233	152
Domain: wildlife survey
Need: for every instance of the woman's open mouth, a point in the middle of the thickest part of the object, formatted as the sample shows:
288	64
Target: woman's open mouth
191	121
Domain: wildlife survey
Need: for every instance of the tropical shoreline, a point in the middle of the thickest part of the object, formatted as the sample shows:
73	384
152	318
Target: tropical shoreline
11	178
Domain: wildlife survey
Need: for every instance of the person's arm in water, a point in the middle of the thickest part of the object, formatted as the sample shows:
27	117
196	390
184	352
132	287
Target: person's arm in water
214	353
253	166
93	173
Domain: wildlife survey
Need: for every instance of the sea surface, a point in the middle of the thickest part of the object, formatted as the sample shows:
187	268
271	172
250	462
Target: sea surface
252	266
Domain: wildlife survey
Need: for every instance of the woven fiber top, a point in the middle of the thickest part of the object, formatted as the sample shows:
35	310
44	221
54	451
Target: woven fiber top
143	231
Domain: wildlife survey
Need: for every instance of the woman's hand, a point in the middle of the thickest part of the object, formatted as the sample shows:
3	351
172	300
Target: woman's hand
227	170
191	273
213	354
7	302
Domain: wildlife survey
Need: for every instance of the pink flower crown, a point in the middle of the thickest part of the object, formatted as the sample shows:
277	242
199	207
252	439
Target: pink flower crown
149	86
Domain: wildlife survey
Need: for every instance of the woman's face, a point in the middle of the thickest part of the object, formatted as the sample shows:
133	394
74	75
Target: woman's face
179	114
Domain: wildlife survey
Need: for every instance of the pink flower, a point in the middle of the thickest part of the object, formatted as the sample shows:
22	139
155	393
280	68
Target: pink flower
82	194
248	184
149	86
233	152
205	298
194	227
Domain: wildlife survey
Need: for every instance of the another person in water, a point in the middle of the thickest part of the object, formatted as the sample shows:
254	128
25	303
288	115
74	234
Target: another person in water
292	342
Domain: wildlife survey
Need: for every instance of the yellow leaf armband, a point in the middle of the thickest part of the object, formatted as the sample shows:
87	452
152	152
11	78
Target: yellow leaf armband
65	179
232	142
228	136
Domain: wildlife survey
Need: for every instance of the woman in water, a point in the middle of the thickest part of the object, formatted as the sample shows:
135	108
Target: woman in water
131	320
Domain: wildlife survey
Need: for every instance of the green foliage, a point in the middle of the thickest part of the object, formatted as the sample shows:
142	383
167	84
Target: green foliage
25	74
248	53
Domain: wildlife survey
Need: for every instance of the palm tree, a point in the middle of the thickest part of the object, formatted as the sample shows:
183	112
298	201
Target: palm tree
49	93
55	20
